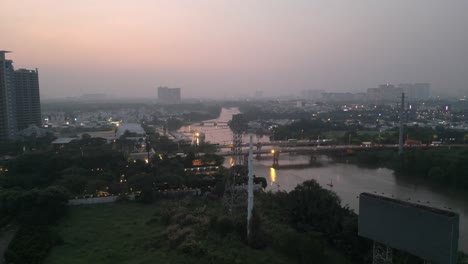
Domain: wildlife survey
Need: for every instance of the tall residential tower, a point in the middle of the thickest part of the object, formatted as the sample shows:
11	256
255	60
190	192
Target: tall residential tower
168	95
28	103
7	99
19	99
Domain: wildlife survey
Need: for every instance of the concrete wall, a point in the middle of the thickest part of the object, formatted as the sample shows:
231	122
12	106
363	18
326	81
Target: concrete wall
112	199
97	200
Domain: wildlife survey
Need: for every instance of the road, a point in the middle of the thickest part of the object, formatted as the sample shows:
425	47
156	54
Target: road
306	149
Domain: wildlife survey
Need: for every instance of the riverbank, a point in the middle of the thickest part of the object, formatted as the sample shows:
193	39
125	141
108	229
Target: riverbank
439	166
348	178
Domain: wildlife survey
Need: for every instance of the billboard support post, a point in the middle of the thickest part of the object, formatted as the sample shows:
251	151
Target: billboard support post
382	254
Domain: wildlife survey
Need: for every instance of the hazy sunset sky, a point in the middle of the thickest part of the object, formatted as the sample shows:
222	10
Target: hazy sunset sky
220	48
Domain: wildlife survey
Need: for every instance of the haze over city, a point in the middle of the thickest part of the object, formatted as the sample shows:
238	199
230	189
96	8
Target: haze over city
216	131
229	48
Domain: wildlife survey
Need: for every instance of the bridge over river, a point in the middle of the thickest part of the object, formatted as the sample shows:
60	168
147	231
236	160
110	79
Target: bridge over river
314	151
214	123
327	149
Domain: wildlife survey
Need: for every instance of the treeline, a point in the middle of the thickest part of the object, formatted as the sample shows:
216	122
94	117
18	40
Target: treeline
356	134
307	225
447	165
444	166
252	113
308	129
28	143
207	112
317	213
87	167
194	112
319	222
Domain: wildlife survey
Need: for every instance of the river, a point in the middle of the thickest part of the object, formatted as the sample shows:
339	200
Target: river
346	180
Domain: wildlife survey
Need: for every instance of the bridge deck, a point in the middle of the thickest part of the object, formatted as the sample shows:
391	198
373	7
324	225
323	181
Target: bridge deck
317	149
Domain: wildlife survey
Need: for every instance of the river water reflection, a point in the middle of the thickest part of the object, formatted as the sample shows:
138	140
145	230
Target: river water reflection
346	180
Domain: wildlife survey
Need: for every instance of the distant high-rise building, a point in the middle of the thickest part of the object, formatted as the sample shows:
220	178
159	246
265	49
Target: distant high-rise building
416	91
390	92
8	127
19	99
384	93
312	94
169	95
28	102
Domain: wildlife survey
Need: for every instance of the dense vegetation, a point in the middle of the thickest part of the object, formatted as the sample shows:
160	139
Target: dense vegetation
197	230
35	187
34	211
447	165
341	133
252	112
307	225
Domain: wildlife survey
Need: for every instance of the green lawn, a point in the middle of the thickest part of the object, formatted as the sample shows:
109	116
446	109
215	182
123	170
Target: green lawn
136	233
107	233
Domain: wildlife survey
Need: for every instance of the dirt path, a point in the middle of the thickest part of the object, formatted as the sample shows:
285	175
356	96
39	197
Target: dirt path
6	235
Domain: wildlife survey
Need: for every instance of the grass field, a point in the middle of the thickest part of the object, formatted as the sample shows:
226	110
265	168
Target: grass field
107	233
136	233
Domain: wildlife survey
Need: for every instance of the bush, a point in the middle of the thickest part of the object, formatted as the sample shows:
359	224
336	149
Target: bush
193	247
166	215
31	245
298	246
146	196
224	226
123	198
37	206
262	181
258	239
176	235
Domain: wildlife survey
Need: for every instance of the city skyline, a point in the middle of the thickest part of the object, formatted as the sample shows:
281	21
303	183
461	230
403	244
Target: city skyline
223	48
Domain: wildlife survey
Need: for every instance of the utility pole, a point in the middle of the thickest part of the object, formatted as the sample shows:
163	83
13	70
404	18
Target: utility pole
402	112
250	198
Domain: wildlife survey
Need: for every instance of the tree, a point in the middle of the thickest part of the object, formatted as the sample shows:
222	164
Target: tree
75	184
85	136
173	123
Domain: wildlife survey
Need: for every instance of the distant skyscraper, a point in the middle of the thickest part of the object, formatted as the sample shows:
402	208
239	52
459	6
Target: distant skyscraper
384	93
19	99
416	91
168	95
312	94
28	102
8	127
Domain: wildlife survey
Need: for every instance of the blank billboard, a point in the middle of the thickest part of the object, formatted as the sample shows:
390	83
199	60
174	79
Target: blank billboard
426	232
